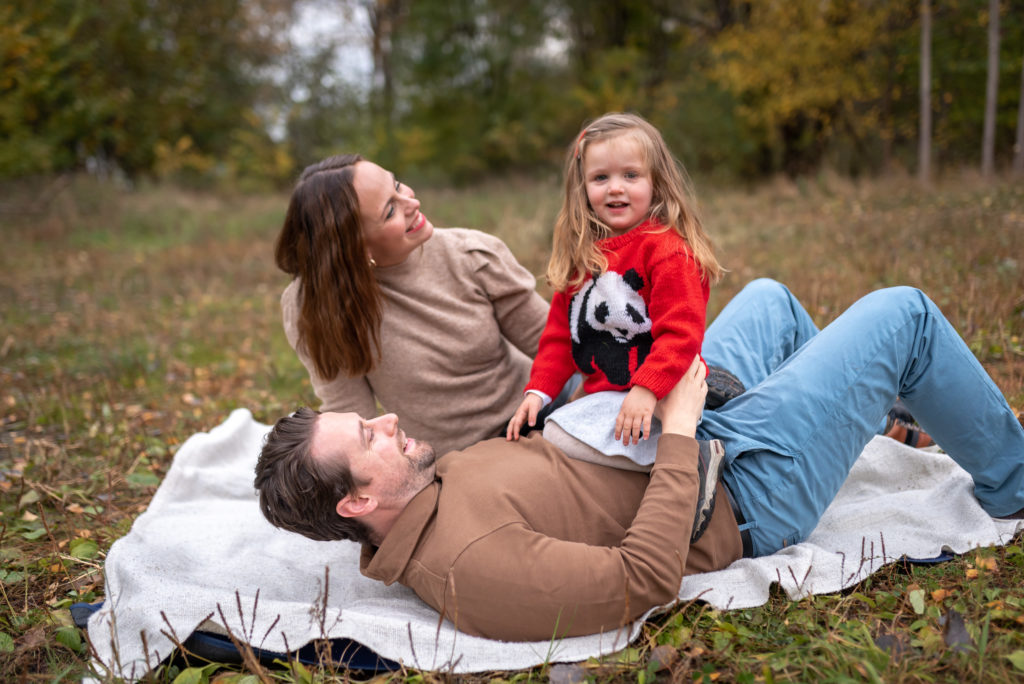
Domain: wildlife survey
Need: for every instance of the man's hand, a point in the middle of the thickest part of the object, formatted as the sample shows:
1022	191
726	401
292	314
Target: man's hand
527	412
680	410
635	415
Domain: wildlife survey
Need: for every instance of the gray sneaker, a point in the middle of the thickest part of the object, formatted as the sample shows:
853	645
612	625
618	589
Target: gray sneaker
709	469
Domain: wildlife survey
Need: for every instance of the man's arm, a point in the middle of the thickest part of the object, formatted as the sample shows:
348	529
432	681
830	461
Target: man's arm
518	584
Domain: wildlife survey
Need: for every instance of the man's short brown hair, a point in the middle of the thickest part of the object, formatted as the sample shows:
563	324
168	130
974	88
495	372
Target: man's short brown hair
300	493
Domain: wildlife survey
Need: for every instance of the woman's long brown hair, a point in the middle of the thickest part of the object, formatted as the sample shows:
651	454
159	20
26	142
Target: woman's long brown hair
321	244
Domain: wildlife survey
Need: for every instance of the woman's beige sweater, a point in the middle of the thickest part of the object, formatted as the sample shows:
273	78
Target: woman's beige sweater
461	323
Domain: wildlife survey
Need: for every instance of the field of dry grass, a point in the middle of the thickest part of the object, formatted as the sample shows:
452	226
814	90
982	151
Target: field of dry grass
131	320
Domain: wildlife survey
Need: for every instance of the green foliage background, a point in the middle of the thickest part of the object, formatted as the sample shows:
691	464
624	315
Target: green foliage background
221	92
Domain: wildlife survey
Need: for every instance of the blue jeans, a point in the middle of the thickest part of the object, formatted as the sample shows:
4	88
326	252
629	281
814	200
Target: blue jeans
814	400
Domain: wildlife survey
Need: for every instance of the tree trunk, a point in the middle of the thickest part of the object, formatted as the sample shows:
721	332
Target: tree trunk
384	18
1018	147
924	146
988	141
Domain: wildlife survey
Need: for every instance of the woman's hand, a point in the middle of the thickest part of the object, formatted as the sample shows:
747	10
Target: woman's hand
681	408
527	412
635	415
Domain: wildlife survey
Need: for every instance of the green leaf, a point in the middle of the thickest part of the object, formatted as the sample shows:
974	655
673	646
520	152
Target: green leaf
7	643
29	497
143	479
34	534
11	576
196	675
916	597
70	637
300	673
83	548
1017	658
629	655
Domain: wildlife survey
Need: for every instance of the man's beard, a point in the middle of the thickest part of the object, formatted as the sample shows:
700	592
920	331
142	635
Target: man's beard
423	457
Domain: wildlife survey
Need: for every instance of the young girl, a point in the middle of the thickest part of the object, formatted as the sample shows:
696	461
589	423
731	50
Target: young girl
631	267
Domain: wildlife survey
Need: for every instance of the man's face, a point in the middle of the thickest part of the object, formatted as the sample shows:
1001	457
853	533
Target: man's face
385	464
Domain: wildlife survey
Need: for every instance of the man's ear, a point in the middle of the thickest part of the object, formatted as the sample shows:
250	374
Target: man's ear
355	506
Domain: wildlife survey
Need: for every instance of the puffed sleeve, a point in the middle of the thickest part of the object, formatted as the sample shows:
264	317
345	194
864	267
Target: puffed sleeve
511	289
341	393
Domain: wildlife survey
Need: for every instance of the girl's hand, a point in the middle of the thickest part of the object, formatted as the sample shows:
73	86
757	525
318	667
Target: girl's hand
527	412
635	415
681	408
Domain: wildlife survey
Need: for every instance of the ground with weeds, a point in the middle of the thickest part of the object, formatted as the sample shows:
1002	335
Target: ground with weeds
133	318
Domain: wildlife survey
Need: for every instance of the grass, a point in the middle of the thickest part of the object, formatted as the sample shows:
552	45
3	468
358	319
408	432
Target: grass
130	320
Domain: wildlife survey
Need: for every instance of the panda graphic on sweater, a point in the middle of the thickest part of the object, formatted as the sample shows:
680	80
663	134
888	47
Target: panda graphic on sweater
608	323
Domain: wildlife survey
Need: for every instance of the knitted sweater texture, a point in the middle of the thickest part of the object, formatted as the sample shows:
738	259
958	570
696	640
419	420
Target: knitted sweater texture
639	323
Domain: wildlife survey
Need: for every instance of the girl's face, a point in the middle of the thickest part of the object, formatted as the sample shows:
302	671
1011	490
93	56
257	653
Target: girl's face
618	182
389	215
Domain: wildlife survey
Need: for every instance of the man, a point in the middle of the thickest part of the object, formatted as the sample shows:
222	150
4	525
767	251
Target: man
512	540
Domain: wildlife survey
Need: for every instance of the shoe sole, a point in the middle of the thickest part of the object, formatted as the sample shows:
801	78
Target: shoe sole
711	459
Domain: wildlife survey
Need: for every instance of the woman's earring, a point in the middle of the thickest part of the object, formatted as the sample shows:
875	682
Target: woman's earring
373	263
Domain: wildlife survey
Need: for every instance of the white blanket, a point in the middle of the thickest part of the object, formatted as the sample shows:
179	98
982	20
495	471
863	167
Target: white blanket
202	549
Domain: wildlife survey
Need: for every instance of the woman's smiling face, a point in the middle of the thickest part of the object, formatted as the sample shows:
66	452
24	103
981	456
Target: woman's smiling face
389	215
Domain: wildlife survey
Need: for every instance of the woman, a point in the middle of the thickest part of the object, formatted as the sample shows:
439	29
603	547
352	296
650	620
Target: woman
438	326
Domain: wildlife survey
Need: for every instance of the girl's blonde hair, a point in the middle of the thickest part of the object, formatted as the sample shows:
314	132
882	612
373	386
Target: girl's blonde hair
575	254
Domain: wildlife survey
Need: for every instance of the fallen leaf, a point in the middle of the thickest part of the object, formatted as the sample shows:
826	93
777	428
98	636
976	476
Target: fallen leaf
954	632
1017	658
32	639
563	673
989	564
29	497
917	600
972	573
75	508
896	645
84	548
663	657
940	595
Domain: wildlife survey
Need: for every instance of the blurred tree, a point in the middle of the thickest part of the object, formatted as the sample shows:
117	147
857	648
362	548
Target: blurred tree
385	19
52	103
1018	145
475	90
326	114
223	90
829	83
138	84
924	147
988	139
960	72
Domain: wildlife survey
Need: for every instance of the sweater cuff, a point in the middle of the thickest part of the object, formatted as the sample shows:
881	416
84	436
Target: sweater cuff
543	397
676	452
